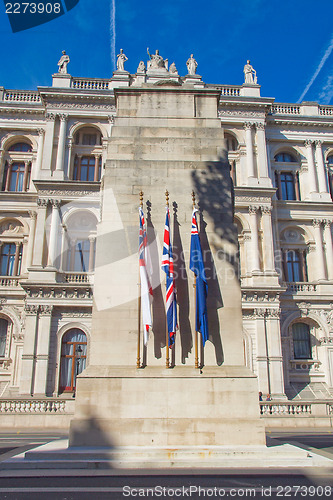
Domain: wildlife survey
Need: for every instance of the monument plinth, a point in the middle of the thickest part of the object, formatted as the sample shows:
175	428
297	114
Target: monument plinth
166	137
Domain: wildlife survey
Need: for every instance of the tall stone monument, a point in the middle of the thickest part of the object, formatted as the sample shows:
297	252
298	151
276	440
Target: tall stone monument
166	137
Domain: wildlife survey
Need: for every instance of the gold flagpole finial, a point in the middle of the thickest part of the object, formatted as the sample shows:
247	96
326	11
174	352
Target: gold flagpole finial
193	199
141	198
167	197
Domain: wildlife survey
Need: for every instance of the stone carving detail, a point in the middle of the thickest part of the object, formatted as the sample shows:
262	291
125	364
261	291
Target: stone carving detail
308	143
12	226
75	313
41	131
62	117
121	59
173	69
264	296
32	214
42	202
260	126
326	340
192	65
141	68
248	125
31	309
45	310
63	62
97	107
50	117
316	222
253	209
111	119
304	308
239	113
156	61
266	210
250	74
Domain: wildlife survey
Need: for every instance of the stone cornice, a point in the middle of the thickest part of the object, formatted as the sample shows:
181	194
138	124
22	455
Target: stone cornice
67	188
52	293
246	195
301	121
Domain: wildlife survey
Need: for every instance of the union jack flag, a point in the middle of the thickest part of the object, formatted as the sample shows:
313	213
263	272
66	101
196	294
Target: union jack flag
167	266
146	289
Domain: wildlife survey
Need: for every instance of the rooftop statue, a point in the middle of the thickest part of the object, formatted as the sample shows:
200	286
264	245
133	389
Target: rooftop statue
173	68
141	67
192	65
63	61
250	73
156	61
121	59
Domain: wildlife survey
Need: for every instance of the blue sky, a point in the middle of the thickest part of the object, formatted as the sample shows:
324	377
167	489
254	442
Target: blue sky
289	43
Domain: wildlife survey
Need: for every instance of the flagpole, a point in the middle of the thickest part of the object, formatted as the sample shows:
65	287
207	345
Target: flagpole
196	356
138	360
167	360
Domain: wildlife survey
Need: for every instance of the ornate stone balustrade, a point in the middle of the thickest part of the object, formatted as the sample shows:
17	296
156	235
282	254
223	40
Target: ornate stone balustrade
326	110
285	109
37	406
90	84
22	96
301	287
77	278
9	282
285	408
230	91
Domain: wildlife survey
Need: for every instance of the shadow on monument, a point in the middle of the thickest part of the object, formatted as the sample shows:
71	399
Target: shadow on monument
215	194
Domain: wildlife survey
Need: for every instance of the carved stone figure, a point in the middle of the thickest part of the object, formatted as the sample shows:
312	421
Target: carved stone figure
156	61
141	67
121	59
250	73
63	61
192	65
173	68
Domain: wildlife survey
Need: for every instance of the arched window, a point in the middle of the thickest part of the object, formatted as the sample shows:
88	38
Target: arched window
285	158
3	336
21	147
73	358
301	341
10	259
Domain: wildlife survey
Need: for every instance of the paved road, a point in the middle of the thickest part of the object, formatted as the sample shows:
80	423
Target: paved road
112	485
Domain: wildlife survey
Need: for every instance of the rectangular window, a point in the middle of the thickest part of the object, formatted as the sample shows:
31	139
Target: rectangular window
301	341
288	187
3	336
89	139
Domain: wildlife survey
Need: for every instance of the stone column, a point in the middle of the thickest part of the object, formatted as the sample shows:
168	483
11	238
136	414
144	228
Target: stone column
25	176
96	167
48	143
10	162
322	179
249	150
320	261
42	349
40	232
28	357
69	161
274	353
329	248
63	253
269	264
262	153
30	250
61	143
38	165
312	178
262	355
16	258
254	238
55	222
296	184
92	253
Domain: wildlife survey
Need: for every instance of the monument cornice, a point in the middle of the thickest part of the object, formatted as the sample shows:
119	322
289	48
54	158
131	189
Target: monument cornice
67	188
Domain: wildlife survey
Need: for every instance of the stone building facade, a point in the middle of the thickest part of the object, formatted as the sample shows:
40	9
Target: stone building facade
52	159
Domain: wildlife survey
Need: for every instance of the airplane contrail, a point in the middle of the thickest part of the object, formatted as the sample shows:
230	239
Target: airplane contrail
316	73
113	33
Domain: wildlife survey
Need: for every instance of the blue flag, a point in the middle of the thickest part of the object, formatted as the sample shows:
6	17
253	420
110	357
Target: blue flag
197	266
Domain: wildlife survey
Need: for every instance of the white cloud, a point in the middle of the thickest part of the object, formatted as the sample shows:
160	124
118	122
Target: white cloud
113	32
319	67
326	93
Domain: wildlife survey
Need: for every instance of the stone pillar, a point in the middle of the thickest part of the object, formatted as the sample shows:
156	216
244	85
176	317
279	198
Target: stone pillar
329	248
254	238
10	162
96	167
28	357
249	150
322	179
320	261
92	253
262	355
312	178
61	143
262	155
55	222
69	160
274	353
296	184
268	239
16	258
42	349
40	232
63	253
48	143
38	165
30	250
25	176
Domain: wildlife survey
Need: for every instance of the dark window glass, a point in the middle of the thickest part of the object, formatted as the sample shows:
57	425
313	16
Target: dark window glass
21	147
301	341
284	157
294	267
7	259
330	160
84	168
81	259
288	186
73	358
16	177
3	336
89	139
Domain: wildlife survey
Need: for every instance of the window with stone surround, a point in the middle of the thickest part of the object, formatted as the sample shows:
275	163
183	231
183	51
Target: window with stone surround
301	341
10	259
3	336
87	155
73	358
286	182
17	167
294	265
330	174
87	168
